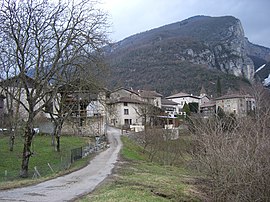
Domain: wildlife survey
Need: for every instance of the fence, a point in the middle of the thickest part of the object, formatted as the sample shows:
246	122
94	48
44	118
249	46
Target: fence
80	152
76	154
63	164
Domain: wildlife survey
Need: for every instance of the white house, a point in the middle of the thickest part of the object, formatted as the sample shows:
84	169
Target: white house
182	98
127	107
170	107
124	111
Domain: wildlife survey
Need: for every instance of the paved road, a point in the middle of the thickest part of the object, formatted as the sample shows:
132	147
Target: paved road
71	186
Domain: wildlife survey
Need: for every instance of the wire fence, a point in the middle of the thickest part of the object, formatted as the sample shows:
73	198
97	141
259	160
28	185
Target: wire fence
64	163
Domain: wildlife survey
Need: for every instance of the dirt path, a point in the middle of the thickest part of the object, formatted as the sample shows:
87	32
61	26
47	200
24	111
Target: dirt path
71	186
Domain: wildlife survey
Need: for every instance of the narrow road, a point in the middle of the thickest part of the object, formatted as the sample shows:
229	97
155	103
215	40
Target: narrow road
73	185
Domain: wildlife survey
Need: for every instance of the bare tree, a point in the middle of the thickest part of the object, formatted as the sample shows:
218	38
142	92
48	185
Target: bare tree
14	89
236	158
46	40
72	102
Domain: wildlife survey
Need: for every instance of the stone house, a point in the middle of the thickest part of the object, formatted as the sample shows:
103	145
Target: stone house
238	104
124	92
151	97
204	98
208	109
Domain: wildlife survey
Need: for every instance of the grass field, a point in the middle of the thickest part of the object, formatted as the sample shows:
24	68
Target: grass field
137	179
44	153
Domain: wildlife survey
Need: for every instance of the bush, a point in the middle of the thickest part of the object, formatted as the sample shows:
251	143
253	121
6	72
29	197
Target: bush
236	161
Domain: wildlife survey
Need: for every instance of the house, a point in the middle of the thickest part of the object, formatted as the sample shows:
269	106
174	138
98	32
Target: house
87	109
124	92
125	111
204	98
170	107
182	98
127	107
208	109
238	104
151	97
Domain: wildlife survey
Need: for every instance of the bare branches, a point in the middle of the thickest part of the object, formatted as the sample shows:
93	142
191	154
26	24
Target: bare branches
237	160
48	43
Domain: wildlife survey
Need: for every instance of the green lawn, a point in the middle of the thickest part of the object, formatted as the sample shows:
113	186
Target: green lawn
44	153
137	179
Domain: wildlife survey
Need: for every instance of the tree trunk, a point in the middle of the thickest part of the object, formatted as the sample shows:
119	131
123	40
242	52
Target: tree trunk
57	134
58	143
53	139
29	133
11	141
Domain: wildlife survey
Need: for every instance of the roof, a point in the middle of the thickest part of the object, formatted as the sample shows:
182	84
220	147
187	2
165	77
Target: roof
179	95
125	99
211	103
203	91
168	102
234	95
149	94
122	88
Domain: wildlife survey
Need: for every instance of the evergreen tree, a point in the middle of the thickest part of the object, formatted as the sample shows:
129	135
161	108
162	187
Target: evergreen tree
186	109
218	87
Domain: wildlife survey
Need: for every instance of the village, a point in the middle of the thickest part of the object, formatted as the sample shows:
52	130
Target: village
90	113
134	101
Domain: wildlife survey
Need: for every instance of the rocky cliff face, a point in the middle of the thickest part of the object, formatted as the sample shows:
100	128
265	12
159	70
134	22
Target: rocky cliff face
213	43
224	49
231	55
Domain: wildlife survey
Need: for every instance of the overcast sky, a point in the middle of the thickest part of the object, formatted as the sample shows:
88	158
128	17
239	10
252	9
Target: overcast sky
129	17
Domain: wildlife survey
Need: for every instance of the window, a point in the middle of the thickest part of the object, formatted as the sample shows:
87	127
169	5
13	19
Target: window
125	104
82	122
49	107
126	111
128	121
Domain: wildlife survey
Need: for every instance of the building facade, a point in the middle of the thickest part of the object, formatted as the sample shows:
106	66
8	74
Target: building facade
240	105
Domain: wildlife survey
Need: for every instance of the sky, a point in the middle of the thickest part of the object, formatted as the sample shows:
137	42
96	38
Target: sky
128	17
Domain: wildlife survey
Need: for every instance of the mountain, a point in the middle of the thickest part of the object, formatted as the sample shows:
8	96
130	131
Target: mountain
186	55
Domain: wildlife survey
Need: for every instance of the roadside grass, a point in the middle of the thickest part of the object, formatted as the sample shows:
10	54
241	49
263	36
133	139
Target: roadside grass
43	153
137	179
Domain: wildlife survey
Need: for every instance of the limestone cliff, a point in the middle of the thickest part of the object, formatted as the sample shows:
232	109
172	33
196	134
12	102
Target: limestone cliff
213	43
